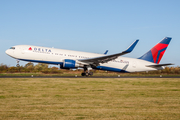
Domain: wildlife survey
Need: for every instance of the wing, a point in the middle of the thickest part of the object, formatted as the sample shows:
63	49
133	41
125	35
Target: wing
107	58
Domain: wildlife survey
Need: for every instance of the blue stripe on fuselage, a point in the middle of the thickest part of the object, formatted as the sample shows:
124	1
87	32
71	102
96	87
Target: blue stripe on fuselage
40	61
110	69
61	63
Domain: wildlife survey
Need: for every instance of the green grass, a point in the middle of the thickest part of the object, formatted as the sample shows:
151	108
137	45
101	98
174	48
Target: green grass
89	98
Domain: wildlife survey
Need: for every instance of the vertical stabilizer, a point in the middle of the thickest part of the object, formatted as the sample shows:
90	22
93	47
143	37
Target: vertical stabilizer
155	54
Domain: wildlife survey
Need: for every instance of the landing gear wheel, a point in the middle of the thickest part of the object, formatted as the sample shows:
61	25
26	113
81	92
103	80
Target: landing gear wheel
86	72
90	73
17	65
83	74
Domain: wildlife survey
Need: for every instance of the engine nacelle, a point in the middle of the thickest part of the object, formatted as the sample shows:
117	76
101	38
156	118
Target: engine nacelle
69	64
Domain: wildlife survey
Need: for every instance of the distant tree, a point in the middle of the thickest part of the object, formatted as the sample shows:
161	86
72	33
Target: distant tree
55	70
29	64
29	67
3	68
13	69
40	66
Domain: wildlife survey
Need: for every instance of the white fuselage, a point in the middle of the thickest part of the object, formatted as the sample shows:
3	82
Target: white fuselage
57	56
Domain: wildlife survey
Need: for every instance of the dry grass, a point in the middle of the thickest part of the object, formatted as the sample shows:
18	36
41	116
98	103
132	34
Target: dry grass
89	98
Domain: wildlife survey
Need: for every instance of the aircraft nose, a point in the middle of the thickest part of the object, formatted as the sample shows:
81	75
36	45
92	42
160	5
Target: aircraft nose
7	52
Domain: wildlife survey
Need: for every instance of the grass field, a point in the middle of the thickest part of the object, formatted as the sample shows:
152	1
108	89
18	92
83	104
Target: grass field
89	98
78	73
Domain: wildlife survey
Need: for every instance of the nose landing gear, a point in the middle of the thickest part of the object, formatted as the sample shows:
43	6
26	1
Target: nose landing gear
17	63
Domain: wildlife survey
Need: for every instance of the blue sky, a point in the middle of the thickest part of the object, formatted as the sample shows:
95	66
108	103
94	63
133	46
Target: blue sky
90	25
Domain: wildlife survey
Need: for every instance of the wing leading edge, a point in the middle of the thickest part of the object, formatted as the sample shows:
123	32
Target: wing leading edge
107	58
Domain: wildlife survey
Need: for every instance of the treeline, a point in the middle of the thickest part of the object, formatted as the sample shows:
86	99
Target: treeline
44	68
30	68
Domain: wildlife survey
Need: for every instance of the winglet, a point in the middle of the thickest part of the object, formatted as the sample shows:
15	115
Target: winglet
131	47
106	52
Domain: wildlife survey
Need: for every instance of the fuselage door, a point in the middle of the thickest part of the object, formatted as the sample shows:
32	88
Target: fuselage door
134	64
22	50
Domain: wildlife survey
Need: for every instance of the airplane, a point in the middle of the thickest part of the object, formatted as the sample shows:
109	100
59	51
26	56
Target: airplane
68	59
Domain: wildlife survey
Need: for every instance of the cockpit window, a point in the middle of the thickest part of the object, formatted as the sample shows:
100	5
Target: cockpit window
12	48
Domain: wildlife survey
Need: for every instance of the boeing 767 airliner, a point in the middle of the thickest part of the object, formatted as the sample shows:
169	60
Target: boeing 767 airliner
68	59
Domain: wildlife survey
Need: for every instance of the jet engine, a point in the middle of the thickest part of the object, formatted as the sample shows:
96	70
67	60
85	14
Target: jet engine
69	64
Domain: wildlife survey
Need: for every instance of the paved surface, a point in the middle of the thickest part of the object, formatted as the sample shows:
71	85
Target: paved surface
90	77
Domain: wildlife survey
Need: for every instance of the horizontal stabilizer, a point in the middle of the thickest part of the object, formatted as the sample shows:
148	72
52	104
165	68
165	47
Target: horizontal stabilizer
159	65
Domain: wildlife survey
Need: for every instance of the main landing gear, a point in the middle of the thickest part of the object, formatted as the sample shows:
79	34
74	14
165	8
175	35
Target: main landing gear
86	72
17	63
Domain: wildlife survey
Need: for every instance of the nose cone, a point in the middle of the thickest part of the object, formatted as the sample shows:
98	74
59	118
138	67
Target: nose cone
7	52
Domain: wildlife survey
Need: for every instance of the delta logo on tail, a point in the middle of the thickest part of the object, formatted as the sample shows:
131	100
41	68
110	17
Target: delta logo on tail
156	53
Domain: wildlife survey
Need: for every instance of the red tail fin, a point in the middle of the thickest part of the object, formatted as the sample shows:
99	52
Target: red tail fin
155	54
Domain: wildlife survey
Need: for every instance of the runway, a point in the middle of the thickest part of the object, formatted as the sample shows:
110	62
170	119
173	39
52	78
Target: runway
161	76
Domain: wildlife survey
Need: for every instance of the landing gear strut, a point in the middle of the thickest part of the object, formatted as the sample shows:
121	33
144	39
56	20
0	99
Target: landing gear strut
17	63
86	72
